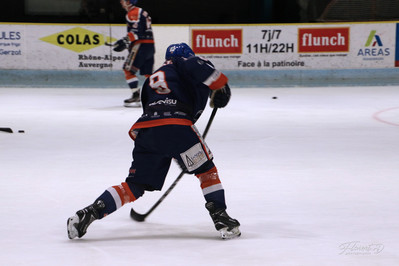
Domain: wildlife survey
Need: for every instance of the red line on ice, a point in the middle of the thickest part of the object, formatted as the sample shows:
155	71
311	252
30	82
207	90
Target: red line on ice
377	117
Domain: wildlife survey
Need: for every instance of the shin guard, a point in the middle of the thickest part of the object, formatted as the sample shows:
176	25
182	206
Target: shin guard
212	187
132	80
115	197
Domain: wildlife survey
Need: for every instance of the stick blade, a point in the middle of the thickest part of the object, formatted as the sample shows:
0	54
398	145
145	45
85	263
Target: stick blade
137	216
110	44
6	129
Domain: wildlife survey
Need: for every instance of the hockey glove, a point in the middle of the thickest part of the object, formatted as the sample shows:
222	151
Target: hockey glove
121	44
220	98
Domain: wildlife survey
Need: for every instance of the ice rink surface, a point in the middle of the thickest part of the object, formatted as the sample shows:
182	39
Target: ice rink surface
313	177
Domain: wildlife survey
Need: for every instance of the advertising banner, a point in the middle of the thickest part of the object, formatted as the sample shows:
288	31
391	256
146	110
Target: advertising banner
308	46
74	47
12	46
59	47
229	47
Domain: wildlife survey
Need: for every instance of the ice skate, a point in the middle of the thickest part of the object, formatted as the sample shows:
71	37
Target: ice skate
77	225
133	101
227	226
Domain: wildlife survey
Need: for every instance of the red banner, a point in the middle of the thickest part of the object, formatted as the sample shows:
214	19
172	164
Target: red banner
316	40
215	41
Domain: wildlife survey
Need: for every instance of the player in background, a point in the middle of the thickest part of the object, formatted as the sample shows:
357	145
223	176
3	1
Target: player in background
140	43
173	99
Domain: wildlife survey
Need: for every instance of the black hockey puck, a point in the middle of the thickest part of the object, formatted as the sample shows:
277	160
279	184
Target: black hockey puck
21	131
274	97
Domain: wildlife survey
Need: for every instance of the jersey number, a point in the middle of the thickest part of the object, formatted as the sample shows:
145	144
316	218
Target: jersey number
158	83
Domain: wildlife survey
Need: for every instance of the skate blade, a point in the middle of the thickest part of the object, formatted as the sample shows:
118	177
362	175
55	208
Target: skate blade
132	105
233	233
72	231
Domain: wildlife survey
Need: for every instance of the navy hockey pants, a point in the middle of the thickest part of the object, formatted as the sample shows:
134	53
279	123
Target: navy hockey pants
156	147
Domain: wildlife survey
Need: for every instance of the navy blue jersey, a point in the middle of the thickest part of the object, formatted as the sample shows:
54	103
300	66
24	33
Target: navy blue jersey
177	93
139	25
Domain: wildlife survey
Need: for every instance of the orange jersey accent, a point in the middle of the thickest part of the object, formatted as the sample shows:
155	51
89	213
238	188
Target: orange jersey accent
157	123
145	41
218	82
134	14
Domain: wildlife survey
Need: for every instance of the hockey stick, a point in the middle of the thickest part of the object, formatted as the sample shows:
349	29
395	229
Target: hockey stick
130	58
141	217
6	129
110	44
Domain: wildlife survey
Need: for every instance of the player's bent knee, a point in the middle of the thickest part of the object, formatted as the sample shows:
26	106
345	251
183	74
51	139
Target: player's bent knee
135	189
129	74
125	193
208	165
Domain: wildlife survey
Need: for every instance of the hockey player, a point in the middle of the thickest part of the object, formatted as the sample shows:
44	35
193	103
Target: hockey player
173	98
140	43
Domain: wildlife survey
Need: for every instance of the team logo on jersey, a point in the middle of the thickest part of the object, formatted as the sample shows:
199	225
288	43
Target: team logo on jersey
167	101
214	41
78	39
323	40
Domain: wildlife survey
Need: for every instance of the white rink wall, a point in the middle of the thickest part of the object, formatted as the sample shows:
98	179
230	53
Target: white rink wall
74	55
